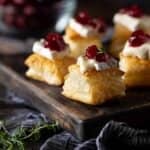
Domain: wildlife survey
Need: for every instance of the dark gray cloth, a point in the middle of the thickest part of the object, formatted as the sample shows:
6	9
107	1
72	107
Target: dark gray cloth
61	141
16	112
114	135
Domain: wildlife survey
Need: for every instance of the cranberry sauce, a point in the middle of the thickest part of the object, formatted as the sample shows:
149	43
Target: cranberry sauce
85	19
134	11
92	52
54	42
138	38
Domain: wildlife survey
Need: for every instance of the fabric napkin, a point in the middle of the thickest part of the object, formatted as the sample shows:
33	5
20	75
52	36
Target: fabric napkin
113	136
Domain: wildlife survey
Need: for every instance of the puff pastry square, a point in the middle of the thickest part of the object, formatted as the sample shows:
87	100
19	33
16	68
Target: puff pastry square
49	71
137	71
78	44
93	87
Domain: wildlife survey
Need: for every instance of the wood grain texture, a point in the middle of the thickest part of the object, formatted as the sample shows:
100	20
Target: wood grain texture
82	120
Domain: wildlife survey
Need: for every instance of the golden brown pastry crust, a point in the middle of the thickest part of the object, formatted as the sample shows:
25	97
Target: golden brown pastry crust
137	71
50	71
121	35
93	87
78	44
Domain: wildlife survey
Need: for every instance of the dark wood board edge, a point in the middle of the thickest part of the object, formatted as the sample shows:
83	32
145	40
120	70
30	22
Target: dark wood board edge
136	118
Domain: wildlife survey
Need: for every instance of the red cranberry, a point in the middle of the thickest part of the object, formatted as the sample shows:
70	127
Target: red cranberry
138	38
20	21
91	52
19	2
100	57
52	45
83	18
138	32
55	42
136	41
29	10
141	33
133	11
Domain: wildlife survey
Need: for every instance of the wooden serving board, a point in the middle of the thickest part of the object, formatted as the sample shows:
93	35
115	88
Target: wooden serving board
82	120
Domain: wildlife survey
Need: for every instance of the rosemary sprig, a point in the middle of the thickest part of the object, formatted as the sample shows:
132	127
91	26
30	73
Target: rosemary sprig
21	135
102	50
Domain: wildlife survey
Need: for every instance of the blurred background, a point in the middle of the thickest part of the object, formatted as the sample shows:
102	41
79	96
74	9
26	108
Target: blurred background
107	8
23	21
34	17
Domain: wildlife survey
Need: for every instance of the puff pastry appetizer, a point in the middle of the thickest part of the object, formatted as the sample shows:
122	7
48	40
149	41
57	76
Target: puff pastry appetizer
50	60
95	78
135	60
83	31
127	20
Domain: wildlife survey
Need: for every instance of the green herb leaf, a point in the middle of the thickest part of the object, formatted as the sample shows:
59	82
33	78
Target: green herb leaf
22	135
102	50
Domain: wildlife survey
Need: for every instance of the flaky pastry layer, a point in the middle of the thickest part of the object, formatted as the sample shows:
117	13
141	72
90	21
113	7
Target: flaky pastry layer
93	87
50	71
137	71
